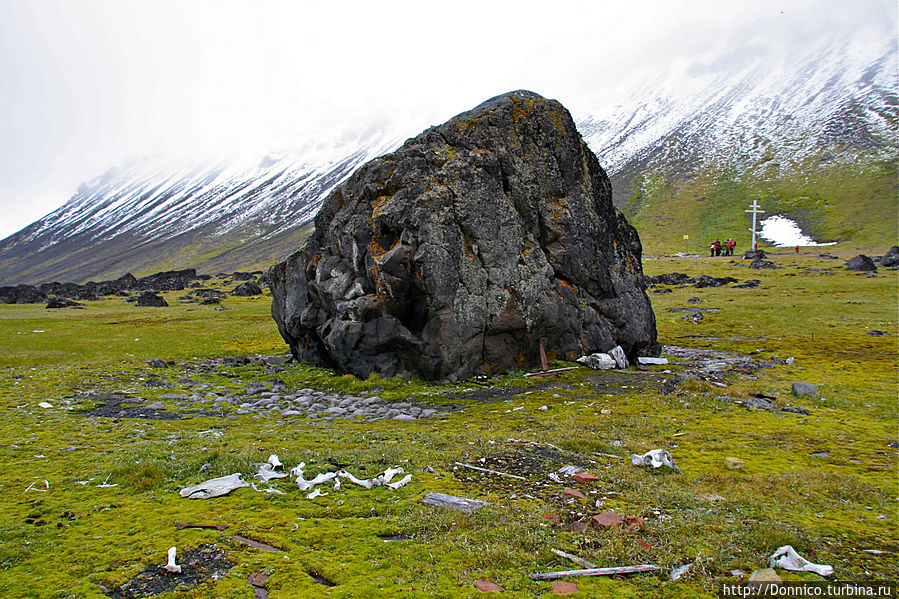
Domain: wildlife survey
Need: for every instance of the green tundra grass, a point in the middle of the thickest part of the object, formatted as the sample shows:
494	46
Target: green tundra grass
65	539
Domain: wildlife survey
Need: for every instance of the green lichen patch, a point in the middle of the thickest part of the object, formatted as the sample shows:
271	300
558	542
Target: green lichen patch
825	482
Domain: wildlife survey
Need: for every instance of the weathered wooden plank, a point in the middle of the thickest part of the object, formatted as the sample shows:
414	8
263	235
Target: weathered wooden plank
594	572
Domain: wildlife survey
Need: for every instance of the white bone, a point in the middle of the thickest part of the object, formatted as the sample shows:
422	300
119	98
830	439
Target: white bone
655	458
171	566
387	476
787	558
268	472
214	487
336	485
298	470
275	462
315	493
368	484
324	477
400	483
45	405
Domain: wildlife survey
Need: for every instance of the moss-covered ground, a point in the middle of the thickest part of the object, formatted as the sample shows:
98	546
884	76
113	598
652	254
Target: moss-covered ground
71	538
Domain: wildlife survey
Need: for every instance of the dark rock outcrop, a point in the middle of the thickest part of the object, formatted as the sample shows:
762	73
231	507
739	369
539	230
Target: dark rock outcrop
62	302
708	281
891	258
22	294
671	278
758	263
754	255
463	249
861	263
247	289
150	299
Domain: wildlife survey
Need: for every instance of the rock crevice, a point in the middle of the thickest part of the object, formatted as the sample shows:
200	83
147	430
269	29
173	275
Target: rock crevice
460	251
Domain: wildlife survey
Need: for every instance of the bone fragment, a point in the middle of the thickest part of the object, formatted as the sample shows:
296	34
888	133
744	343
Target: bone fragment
171	566
655	458
315	493
362	483
215	487
786	557
387	476
400	483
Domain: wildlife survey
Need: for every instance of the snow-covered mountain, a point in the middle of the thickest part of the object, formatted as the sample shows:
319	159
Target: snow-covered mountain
779	124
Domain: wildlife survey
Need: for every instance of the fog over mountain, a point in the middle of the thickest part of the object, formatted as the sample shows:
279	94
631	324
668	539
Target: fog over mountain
221	159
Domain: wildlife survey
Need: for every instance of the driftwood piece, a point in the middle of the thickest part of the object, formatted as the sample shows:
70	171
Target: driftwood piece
212	526
487	470
452	502
551	372
579	561
256	544
594	572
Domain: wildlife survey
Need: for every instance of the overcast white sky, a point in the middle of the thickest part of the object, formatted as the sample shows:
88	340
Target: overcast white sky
88	84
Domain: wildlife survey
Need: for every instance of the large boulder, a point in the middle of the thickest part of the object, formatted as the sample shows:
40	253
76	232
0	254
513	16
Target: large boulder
458	253
148	299
861	263
891	258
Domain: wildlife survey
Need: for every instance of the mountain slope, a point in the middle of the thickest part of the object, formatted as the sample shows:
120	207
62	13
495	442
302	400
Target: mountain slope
811	135
149	215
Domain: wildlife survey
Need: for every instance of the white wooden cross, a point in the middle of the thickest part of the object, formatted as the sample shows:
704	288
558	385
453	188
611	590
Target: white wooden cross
755	211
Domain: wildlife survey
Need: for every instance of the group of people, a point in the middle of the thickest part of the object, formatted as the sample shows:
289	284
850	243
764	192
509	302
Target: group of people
722	249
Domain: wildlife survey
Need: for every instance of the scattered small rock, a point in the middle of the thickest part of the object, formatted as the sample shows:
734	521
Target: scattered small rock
800	388
748	284
486	586
573	493
606	520
563	587
759	403
585	477
876	333
158	363
733	463
758	263
820	454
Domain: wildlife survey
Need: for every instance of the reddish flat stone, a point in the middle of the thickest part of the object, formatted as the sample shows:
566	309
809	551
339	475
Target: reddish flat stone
561	587
576	526
585	477
257	579
553	518
606	520
573	493
634	522
486	586
644	544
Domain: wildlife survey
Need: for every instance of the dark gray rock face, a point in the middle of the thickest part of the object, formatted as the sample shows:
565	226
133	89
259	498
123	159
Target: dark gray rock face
463	249
862	263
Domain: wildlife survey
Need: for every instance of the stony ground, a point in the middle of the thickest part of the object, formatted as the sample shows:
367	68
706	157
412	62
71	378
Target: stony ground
98	443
